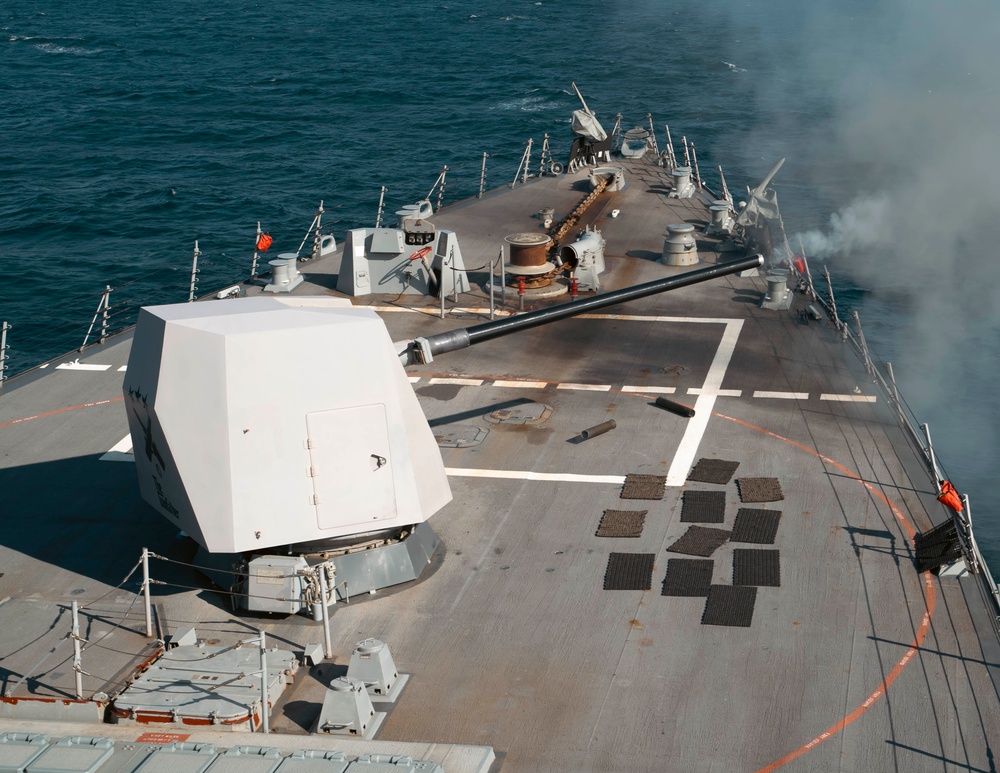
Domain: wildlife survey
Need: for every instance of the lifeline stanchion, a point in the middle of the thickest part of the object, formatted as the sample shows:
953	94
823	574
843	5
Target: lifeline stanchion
264	709
520	290
145	593
324	592
77	652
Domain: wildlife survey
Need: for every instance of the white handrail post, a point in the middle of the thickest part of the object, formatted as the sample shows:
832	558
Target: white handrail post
145	592
3	351
930	453
256	256
381	203
324	587
264	710
527	161
444	178
670	147
482	177
77	652
194	272
318	231
697	172
493	303
104	316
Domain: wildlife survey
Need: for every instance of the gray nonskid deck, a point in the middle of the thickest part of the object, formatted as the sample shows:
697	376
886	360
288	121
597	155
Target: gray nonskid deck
511	642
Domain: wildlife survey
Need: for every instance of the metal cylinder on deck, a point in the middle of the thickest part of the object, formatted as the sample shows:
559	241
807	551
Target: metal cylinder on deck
679	246
776	287
529	264
720	210
682	178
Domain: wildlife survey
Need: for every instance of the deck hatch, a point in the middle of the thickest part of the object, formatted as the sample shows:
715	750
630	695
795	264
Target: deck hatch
756	525
688	577
700	541
704	507
622	523
644	486
629	571
713	471
729	605
756	567
759	489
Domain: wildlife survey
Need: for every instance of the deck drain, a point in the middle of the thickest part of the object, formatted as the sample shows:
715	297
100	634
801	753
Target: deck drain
622	523
713	471
700	541
461	436
644	486
688	577
704	507
756	567
629	571
759	490
728	605
524	413
756	525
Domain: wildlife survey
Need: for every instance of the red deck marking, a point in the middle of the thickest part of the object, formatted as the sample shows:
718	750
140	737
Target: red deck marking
62	410
918	640
163	738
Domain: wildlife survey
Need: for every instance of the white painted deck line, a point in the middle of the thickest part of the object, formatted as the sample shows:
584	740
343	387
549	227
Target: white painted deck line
123	368
718	392
586	387
458	381
568	477
81	366
653	390
120	451
849	398
521	384
783	395
697	424
413	379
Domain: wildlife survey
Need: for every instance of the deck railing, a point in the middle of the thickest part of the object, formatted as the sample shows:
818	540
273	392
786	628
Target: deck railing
920	440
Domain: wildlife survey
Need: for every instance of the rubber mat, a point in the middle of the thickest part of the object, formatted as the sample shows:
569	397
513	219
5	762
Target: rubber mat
622	523
629	571
728	605
644	486
756	567
713	471
699	541
759	489
704	507
755	525
688	577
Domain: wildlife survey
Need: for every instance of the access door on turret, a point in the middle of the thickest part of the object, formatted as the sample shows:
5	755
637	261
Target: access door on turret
351	467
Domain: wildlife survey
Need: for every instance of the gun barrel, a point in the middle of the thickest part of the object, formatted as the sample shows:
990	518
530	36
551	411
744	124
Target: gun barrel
486	331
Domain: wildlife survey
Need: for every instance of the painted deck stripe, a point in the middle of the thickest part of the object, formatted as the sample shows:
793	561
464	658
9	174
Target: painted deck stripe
783	395
123	368
849	398
81	366
521	384
120	451
458	381
697	424
653	390
586	387
531	475
718	392
413	379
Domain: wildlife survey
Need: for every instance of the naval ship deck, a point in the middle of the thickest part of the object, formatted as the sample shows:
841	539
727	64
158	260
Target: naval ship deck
854	662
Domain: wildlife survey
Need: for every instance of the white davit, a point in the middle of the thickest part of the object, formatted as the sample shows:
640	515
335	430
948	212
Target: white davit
260	422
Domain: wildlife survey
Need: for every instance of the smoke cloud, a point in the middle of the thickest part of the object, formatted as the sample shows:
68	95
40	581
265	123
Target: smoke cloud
906	141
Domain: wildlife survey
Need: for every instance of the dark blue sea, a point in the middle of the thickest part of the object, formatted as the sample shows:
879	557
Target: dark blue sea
130	129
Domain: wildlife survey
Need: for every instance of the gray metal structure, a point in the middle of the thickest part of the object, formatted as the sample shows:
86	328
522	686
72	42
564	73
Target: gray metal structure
520	637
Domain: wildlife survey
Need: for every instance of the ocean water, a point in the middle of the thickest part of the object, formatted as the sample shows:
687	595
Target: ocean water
130	129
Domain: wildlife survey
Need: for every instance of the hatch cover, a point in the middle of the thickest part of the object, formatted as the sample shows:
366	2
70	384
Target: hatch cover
460	436
523	413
